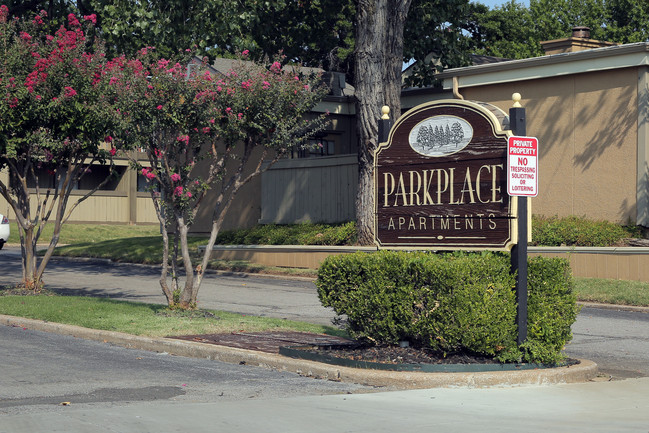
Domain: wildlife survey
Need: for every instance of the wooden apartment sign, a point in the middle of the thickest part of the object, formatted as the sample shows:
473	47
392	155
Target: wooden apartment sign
440	181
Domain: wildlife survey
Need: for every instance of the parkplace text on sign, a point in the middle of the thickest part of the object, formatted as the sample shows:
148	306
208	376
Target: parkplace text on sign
522	166
439	180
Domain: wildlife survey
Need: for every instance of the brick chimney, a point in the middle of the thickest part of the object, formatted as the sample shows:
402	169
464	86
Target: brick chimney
579	41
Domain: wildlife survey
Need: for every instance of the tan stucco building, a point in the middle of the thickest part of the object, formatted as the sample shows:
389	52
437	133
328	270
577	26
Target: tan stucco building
588	107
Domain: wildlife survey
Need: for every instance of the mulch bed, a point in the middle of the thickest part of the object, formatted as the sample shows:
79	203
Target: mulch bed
270	342
402	355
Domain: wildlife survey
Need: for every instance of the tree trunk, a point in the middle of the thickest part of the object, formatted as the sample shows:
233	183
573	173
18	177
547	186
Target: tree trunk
378	63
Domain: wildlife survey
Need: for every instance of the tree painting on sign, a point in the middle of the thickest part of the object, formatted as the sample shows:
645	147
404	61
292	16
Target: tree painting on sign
440	136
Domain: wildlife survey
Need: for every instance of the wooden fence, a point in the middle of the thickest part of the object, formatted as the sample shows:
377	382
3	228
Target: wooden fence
318	190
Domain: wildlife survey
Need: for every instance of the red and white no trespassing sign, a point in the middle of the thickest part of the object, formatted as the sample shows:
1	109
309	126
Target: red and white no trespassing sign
522	166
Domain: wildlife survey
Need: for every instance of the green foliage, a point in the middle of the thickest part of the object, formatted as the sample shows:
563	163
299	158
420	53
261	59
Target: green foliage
551	308
515	31
434	39
450	302
292	234
503	31
578	231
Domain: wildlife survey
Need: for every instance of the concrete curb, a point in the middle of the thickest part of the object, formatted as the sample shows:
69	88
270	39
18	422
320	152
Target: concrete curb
396	380
614	307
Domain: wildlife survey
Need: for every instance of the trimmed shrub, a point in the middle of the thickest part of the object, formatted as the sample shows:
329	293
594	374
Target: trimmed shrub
291	234
551	308
579	231
451	303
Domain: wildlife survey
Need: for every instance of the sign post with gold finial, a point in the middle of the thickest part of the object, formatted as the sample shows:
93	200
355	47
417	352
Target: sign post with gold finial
518	126
385	124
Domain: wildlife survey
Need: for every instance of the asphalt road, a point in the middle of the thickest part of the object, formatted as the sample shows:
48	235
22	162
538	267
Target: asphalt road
618	341
42	370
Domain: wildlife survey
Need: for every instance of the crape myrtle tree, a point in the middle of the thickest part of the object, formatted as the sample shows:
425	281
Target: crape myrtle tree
208	133
55	110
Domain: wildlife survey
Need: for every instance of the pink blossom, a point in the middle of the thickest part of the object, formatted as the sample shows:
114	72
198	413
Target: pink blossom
70	92
184	138
25	36
228	110
240	115
276	67
38	20
159	107
4	11
113	151
108	139
178	191
148	173
92	18
188	194
206	130
245	53
266	84
175	177
73	21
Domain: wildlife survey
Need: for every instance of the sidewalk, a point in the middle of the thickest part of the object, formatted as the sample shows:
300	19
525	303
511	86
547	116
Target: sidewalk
618	407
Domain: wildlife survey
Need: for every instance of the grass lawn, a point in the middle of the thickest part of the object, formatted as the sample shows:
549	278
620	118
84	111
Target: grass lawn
619	292
89	233
143	319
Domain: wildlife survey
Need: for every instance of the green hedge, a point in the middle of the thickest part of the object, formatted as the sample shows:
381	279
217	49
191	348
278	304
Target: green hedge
451	303
579	231
291	234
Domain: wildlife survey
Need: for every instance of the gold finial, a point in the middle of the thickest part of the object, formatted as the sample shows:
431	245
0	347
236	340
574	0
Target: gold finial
516	97
386	111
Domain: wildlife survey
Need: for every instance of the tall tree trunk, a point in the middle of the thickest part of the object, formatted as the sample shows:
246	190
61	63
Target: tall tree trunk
377	68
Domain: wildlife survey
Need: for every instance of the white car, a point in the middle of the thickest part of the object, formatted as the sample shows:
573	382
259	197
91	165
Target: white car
4	230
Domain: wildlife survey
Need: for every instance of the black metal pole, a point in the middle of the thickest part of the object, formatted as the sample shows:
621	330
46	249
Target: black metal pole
519	251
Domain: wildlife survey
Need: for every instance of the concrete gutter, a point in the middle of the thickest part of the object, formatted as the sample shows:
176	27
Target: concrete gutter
394	380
